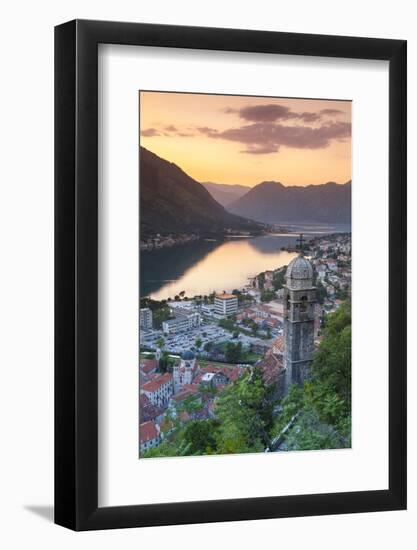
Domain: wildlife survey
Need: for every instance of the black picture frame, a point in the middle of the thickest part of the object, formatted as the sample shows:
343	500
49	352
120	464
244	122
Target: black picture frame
76	272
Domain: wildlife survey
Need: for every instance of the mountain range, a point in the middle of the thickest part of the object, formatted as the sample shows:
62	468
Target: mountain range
225	194
171	202
272	202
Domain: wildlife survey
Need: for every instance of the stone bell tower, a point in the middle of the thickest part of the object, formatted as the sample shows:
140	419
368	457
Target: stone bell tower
299	312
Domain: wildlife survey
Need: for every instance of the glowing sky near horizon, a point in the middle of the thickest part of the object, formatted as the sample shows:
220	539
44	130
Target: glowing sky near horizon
247	140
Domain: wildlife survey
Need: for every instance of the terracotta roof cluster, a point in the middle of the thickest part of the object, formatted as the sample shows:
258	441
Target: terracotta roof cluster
148	431
157	382
192	387
198	377
235	373
143	378
148	411
277	346
232	373
148	365
183	394
272	368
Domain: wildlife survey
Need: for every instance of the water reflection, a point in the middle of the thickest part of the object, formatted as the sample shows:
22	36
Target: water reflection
201	267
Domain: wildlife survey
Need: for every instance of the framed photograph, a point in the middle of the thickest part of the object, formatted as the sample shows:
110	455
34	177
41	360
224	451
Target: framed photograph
230	244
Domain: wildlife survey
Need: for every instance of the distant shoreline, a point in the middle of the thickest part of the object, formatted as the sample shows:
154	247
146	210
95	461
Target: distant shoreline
164	241
307	228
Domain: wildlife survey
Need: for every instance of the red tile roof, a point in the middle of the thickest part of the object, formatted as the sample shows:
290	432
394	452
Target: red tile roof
192	387
148	431
183	394
148	365
198	377
272	368
235	373
148	411
160	380
277	346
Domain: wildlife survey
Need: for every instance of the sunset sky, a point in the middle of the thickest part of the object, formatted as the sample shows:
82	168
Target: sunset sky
247	140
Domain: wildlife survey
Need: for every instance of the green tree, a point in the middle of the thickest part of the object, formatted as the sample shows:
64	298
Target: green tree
261	280
267	295
244	411
208	346
323	404
164	361
227	324
321	292
190	404
199	437
233	352
309	433
160	309
341	293
278	279
332	362
209	390
160	342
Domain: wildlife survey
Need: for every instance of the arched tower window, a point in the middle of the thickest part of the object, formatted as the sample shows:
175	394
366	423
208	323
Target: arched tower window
303	305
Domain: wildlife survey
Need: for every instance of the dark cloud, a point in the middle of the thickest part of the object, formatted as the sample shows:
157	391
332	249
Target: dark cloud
207	130
168	131
272	112
331	112
260	150
266	133
150	132
265	138
265	113
308	117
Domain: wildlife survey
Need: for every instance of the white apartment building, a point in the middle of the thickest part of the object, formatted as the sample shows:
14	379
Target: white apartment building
215	379
225	304
145	318
183	321
149	436
159	390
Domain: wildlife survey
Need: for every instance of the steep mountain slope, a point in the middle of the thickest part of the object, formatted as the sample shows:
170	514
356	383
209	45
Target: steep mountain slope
270	201
171	202
225	194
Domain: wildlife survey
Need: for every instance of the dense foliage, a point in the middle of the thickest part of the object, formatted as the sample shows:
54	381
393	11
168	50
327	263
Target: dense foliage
323	404
278	279
267	295
244	411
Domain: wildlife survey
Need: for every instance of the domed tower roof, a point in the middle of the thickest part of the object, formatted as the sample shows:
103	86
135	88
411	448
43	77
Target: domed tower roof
299	272
187	355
